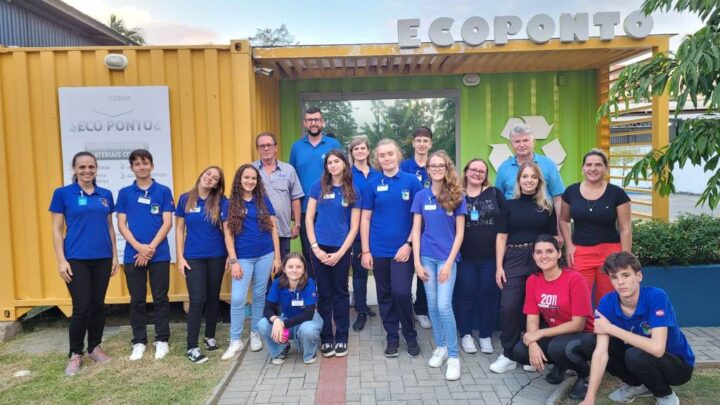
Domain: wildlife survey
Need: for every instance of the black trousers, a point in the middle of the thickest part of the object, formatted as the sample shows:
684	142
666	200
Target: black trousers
137	278
393	280
87	289
563	351
333	297
635	366
203	282
518	265
420	306
305	244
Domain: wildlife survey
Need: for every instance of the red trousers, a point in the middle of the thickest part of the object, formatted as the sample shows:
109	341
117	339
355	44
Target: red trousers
589	261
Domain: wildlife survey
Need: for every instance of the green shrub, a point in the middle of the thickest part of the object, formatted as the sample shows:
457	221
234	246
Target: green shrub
691	239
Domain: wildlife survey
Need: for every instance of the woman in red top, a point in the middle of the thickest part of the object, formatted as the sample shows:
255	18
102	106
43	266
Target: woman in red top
562	299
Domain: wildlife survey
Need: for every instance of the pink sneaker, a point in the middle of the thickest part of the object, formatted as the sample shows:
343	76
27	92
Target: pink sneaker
73	365
99	355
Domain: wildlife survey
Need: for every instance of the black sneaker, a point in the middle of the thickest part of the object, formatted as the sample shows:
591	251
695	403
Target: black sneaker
413	349
556	375
341	349
579	389
196	356
391	350
360	322
211	344
280	358
327	350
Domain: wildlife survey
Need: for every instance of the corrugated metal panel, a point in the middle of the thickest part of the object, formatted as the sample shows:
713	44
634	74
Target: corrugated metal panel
215	102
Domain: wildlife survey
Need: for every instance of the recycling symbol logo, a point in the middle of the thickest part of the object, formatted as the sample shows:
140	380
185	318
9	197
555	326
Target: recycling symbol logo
541	130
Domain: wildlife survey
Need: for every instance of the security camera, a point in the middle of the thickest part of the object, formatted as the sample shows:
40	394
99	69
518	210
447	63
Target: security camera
265	71
116	61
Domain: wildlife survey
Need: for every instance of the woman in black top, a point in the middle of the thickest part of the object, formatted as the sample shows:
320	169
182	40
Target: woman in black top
601	214
475	290
521	221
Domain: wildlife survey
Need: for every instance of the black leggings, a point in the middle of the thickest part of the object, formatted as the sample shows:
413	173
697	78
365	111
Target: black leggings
563	351
203	284
87	288
635	366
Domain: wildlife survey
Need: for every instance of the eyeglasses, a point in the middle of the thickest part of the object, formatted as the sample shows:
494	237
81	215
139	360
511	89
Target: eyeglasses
436	167
313	120
478	171
266	146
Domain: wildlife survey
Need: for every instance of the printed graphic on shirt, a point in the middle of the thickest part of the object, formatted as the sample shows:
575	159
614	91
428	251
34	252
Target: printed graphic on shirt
549	306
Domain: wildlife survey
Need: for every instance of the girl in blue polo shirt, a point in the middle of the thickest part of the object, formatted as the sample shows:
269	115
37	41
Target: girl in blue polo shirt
385	225
290	312
441	208
201	257
86	255
253	248
332	221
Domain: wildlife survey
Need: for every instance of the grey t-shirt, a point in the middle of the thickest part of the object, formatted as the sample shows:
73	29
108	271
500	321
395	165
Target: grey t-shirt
282	186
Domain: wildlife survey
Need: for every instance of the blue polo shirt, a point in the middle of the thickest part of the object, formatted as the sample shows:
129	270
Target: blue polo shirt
439	225
309	160
86	220
507	174
653	310
285	297
332	219
390	199
144	210
202	238
251	242
411	166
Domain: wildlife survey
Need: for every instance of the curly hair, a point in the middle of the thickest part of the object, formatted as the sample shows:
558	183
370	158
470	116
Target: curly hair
326	185
540	196
238	211
451	195
212	205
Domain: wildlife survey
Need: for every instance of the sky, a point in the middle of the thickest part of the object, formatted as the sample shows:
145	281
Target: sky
312	22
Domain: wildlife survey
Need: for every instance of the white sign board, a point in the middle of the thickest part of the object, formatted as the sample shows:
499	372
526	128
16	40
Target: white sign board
111	122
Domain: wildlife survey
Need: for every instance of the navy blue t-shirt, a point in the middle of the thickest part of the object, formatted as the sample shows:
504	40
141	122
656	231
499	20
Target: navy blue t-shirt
653	310
285	297
144	210
252	241
390	199
439	225
86	219
332	218
411	166
203	239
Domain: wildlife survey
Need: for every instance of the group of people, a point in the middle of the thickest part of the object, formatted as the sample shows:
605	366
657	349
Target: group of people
476	250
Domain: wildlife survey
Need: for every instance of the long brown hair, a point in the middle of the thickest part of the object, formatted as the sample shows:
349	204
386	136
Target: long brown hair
451	192
238	211
212	204
540	196
326	185
283	281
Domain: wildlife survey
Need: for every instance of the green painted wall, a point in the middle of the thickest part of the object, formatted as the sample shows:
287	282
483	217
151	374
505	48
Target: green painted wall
484	109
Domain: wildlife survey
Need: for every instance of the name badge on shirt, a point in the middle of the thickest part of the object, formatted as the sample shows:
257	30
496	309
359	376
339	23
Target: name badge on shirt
82	200
474	215
196	209
430	207
382	187
329	196
297	303
144	200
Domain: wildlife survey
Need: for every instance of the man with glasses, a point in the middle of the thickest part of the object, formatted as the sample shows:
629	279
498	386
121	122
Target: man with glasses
283	189
307	156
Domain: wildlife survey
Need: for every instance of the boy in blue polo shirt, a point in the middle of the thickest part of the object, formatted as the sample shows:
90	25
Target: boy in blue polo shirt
637	338
144	218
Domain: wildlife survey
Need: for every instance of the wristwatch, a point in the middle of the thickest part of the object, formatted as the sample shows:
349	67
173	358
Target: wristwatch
408	242
232	261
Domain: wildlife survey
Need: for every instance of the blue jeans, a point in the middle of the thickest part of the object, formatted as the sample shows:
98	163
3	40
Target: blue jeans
439	297
476	296
306	335
256	271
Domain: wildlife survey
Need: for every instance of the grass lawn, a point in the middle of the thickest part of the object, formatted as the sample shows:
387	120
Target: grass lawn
172	380
703	389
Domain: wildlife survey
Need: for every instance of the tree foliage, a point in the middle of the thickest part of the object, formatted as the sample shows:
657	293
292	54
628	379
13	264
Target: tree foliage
118	25
273	37
693	74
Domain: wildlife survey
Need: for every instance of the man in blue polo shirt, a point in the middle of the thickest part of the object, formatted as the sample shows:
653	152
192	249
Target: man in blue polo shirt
637	338
144	218
307	156
523	144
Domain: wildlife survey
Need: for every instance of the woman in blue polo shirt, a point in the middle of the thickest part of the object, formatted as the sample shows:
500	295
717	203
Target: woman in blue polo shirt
332	221
362	172
86	255
201	258
441	208
290	312
253	248
385	233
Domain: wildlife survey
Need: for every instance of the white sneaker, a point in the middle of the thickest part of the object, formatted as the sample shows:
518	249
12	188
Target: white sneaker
424	321
502	365
161	350
438	357
486	345
255	341
468	344
627	393
235	347
529	368
671	399
138	351
453	369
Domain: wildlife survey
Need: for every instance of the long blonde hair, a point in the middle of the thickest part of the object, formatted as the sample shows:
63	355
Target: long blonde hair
540	196
450	196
